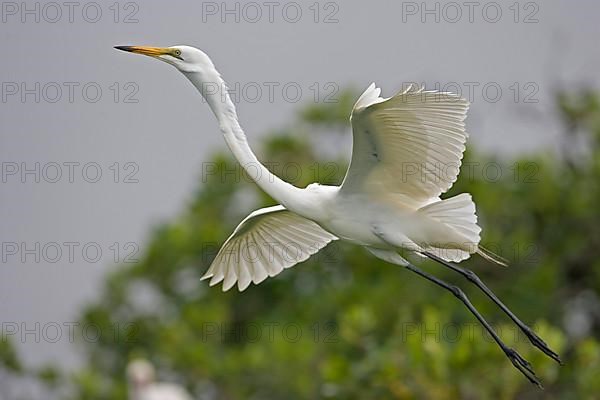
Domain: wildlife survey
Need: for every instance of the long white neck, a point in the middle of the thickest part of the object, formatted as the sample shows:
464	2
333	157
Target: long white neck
215	91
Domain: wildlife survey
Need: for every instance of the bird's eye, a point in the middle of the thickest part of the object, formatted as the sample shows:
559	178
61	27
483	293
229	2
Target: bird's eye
178	52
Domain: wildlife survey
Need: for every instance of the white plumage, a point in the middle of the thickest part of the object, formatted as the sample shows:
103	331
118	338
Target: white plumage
407	151
141	385
264	243
409	145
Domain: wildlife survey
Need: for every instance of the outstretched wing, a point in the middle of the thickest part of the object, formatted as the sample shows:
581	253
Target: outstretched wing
263	244
409	145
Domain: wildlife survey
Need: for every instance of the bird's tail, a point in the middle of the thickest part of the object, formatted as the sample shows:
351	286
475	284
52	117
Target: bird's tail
491	256
458	213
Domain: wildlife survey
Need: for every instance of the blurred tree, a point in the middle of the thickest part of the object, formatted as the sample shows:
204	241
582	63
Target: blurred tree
345	325
8	356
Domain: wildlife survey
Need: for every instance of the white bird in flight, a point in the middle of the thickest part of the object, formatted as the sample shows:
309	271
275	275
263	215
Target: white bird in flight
141	384
406	152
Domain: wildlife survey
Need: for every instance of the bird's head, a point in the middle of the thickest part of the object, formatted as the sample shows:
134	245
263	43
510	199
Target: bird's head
140	373
184	58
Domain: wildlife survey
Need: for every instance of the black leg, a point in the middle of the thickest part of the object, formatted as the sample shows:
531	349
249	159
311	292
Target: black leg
519	362
471	276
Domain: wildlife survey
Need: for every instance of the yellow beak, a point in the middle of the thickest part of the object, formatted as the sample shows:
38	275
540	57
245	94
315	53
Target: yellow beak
146	50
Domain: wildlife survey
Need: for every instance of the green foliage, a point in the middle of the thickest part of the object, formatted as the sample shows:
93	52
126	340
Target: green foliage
331	114
8	356
345	325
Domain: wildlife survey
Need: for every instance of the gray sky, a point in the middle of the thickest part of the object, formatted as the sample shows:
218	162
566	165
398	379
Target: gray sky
153	148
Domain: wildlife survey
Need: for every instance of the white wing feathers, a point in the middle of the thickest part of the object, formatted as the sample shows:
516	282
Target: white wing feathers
263	244
409	145
369	97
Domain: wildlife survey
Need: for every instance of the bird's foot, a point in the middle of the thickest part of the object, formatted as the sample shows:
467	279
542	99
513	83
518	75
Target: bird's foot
524	366
540	344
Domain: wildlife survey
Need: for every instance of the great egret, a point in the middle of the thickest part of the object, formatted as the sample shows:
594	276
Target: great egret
141	385
378	205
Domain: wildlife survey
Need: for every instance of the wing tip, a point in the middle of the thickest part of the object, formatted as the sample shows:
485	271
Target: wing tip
206	276
415	88
370	96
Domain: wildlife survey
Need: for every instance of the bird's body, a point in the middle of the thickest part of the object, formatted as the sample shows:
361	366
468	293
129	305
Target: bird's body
407	152
141	384
390	196
365	220
162	391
